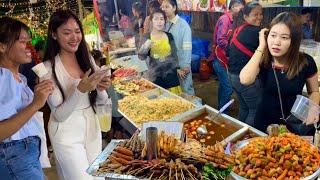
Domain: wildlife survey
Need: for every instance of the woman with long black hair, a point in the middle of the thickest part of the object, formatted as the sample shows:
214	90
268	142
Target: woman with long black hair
283	71
73	129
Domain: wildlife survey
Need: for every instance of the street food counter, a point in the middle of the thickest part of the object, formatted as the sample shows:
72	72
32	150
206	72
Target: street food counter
209	145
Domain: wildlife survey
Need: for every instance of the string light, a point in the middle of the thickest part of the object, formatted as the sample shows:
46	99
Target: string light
35	15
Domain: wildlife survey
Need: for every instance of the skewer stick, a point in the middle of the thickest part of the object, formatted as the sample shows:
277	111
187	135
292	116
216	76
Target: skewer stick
151	176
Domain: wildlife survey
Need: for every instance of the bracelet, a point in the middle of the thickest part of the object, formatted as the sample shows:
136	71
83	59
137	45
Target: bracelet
258	50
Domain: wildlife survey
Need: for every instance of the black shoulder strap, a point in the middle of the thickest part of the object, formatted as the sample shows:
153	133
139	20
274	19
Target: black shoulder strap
171	24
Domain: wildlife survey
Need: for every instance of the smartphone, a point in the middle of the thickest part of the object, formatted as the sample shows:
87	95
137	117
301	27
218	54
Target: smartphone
106	69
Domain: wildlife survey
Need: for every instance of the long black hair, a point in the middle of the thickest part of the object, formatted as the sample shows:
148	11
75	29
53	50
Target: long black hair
10	30
57	19
152	6
295	60
138	7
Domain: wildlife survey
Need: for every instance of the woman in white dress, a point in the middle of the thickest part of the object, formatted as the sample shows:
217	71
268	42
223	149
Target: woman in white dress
73	129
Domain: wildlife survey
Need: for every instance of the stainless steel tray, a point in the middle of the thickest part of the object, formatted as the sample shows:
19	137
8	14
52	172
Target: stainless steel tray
159	92
244	143
93	168
243	128
121	95
156	93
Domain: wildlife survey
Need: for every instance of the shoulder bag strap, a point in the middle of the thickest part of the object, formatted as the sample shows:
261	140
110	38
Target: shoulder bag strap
238	44
279	92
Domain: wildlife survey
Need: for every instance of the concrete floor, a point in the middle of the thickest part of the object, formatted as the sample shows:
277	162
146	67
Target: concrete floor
206	90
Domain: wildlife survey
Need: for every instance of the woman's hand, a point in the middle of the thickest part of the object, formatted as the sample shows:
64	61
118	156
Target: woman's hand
313	116
263	39
89	83
104	83
41	93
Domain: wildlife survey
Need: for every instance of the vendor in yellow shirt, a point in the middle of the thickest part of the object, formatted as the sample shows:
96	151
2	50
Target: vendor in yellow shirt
159	46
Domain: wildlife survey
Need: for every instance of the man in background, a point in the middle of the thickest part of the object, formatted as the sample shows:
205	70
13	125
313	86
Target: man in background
306	23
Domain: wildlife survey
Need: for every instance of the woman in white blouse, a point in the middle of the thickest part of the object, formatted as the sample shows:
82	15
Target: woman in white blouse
73	129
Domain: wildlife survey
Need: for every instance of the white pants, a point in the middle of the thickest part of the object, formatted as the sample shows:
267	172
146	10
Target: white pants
76	143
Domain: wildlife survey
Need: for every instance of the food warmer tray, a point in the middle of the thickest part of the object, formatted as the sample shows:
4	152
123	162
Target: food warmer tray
156	93
243	128
93	168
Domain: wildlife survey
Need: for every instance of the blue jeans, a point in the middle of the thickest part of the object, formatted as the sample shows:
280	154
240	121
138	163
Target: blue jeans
225	89
19	160
187	84
248	96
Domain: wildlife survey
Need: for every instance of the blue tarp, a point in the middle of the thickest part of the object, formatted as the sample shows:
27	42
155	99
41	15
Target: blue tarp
200	47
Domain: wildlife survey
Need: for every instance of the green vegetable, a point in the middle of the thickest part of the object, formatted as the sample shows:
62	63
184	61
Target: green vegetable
282	129
212	173
203	3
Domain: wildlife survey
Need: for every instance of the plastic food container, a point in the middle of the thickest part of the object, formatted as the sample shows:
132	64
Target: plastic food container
304	107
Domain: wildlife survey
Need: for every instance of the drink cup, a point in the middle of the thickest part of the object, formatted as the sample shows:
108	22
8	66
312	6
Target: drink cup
40	70
104	114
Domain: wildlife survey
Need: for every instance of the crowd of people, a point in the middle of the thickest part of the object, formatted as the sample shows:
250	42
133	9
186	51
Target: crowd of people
263	66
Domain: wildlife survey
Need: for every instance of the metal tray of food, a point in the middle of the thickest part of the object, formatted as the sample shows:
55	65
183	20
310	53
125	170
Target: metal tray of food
247	133
243	143
127	80
239	127
127	123
93	168
157	93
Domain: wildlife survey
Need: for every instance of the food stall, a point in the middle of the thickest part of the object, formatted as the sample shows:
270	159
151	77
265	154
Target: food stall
230	148
142	101
209	145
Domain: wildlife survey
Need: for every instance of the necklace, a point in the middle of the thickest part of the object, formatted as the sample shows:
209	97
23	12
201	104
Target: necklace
282	69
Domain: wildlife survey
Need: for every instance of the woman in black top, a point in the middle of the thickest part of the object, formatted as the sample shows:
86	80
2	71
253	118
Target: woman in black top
243	43
283	71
